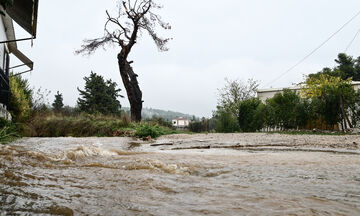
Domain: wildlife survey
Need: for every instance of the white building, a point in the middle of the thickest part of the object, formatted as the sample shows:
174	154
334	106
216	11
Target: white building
24	13
264	94
180	122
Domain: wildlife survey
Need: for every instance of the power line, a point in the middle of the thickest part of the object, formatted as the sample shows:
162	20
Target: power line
352	41
316	49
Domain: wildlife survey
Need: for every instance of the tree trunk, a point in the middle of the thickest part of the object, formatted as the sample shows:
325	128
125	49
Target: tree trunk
131	84
348	120
342	112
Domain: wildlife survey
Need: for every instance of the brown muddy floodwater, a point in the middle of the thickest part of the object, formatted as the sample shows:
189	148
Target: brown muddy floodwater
280	175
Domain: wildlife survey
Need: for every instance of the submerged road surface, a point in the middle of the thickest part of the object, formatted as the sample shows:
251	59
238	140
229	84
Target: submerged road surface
215	174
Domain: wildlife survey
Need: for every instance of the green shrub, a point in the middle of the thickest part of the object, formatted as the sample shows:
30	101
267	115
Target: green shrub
21	98
159	121
145	130
205	125
286	109
196	127
226	122
250	115
154	131
8	131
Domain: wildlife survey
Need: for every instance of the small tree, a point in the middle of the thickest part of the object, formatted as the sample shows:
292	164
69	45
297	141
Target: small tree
334	96
196	126
231	105
236	91
21	100
226	121
284	108
250	115
134	17
58	102
99	96
200	126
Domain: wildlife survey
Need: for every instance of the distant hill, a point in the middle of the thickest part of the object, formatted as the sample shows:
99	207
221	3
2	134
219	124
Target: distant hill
148	113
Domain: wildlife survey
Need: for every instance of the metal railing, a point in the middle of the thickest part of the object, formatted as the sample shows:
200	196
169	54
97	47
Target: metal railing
4	88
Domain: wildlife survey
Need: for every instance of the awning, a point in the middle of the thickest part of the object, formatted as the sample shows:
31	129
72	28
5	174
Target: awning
24	13
23	58
12	46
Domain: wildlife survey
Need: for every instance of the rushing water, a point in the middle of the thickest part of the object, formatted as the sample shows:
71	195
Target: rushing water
104	176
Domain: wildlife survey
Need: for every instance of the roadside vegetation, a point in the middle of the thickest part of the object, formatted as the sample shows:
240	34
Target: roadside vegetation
50	124
98	113
327	99
8	131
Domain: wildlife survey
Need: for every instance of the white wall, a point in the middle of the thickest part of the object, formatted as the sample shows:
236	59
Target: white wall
357	86
183	123
270	93
265	95
180	123
2	46
3	112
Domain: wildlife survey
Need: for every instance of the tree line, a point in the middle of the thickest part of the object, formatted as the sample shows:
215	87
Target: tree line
99	96
325	98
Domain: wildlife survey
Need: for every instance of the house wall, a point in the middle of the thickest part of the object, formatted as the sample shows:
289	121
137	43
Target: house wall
3	112
183	123
2	46
180	123
270	93
357	86
266	94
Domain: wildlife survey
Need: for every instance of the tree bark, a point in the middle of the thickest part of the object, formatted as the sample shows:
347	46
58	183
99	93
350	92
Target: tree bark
131	85
342	112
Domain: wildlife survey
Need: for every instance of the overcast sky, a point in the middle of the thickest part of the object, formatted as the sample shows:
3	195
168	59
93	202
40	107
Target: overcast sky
213	40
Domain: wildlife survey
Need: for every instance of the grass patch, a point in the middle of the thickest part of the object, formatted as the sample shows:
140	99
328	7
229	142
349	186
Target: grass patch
8	131
86	125
83	125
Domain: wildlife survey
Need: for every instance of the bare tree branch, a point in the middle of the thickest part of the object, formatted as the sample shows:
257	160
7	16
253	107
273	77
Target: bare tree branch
91	45
134	16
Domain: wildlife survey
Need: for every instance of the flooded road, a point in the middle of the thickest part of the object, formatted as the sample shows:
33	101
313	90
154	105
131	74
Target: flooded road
120	176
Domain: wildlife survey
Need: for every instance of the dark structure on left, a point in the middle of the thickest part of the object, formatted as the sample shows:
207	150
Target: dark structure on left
24	13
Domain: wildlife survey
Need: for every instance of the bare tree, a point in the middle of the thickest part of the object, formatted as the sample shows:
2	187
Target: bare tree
134	17
236	91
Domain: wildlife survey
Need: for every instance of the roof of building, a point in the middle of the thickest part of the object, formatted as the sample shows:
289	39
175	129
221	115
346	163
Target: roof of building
297	87
25	14
180	118
279	89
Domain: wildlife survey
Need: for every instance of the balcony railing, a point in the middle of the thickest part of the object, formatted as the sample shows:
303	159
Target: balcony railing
4	88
